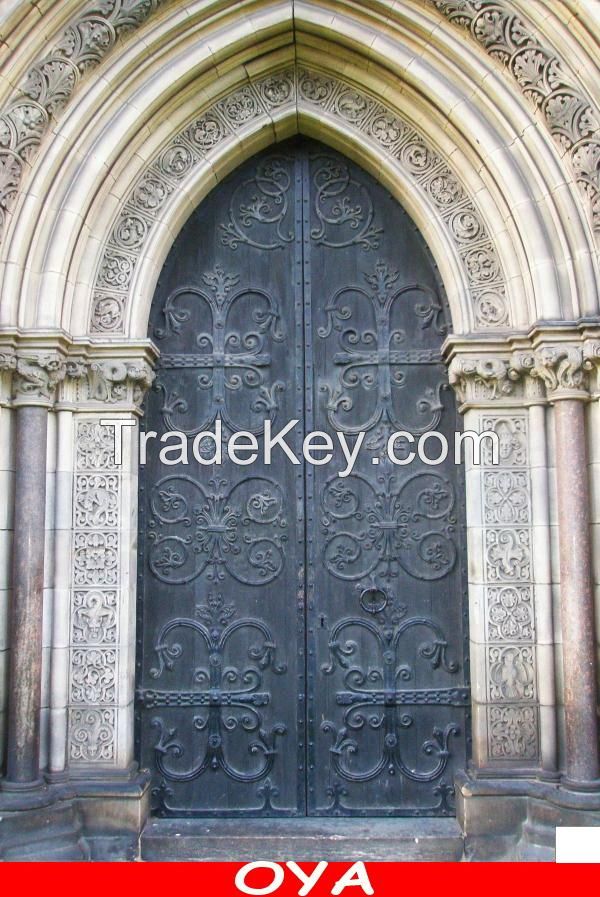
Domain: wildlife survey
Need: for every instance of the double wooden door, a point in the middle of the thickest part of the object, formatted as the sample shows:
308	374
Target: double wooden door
302	635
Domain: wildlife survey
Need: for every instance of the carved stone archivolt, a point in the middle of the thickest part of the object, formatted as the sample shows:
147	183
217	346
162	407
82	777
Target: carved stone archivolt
264	200
49	83
544	79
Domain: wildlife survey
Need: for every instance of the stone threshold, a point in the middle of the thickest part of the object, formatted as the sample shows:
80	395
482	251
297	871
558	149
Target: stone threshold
303	840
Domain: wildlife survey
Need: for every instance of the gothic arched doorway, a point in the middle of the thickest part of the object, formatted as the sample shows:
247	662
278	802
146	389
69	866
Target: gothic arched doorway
302	635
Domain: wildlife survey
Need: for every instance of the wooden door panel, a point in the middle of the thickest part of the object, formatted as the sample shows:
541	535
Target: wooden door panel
302	636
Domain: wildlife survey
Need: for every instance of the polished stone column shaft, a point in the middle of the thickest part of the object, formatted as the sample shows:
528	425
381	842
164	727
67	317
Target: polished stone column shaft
576	595
25	626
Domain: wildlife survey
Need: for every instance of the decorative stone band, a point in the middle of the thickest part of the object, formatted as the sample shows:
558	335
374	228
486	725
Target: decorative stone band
52	378
195	145
539	373
50	82
546	81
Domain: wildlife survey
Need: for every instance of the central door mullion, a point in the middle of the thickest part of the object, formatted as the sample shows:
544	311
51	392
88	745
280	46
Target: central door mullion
309	417
301	482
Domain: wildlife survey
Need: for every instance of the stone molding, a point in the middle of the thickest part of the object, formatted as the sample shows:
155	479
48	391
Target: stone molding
68	375
198	142
542	368
546	82
50	82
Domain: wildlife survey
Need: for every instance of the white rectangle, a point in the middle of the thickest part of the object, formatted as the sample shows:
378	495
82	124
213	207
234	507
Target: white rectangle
578	844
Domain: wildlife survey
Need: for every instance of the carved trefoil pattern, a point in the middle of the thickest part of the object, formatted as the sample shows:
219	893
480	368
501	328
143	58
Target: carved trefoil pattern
94	611
263	202
509	614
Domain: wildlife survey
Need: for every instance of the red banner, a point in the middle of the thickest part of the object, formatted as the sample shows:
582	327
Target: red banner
297	880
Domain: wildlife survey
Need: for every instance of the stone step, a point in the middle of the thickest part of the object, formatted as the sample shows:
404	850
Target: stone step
302	840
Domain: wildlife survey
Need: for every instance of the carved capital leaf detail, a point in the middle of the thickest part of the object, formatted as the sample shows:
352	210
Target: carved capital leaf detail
561	369
481	378
36	376
112	381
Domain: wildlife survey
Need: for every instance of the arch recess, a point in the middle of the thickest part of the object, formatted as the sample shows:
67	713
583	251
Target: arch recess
430	115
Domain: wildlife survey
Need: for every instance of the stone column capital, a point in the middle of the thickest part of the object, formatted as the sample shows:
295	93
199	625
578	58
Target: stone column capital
591	363
526	370
36	376
561	369
480	380
107	381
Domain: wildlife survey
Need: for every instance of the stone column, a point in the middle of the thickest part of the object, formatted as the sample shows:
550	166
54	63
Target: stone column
562	370
34	382
7	476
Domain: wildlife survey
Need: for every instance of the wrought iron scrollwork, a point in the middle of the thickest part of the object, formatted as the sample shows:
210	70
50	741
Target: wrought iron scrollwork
380	527
258	210
343	207
226	698
240	530
227	360
374	359
374	699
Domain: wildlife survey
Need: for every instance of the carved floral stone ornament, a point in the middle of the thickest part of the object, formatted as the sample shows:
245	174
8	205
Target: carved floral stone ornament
36	377
545	80
45	377
172	167
546	371
48	85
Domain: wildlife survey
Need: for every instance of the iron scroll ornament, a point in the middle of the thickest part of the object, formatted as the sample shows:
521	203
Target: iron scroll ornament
378	528
259	207
343	208
227	698
374	698
376	359
227	360
240	530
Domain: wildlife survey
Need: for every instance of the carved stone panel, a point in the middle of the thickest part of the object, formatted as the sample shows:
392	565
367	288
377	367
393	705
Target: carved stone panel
509	607
95	598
